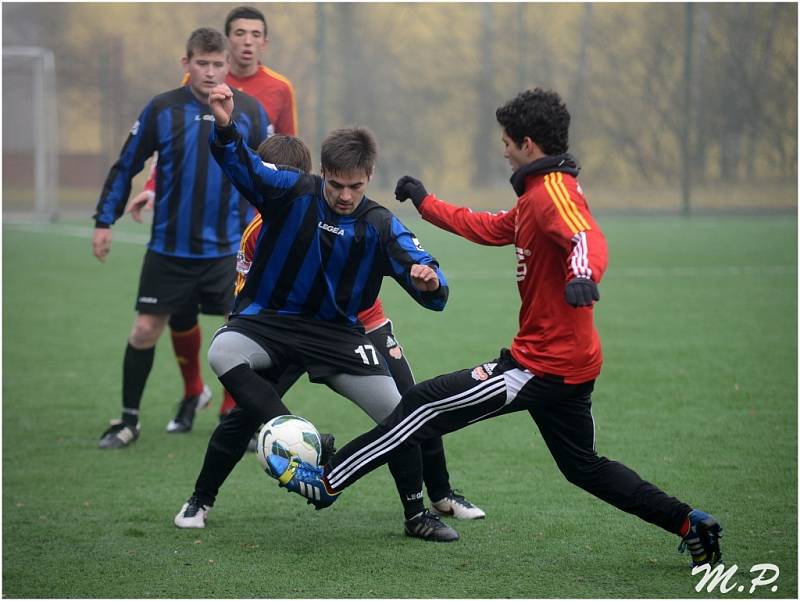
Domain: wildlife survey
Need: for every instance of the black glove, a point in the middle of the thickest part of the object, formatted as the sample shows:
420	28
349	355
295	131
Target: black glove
581	291
410	187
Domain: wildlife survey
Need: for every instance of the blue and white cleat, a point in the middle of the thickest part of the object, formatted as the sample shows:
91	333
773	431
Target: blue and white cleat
702	540
302	478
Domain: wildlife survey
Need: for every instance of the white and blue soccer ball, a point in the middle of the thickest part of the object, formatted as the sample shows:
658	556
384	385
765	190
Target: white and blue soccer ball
289	436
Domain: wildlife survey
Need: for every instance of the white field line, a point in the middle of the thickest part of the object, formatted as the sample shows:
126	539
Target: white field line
499	274
76	231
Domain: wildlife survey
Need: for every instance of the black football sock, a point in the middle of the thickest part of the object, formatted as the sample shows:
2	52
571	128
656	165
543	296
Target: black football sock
135	368
434	469
405	464
226	448
253	393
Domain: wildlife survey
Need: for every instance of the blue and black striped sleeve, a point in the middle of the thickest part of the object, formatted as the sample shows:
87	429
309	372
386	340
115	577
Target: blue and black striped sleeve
140	145
404	250
263	184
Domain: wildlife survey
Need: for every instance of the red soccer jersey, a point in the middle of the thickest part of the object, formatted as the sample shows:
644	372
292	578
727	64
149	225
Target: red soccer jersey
275	92
556	239
371	318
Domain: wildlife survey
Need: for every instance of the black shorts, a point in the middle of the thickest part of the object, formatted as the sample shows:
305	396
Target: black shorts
170	285
321	348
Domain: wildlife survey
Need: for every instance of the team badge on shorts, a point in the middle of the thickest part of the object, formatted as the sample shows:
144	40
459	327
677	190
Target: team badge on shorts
479	374
395	351
483	372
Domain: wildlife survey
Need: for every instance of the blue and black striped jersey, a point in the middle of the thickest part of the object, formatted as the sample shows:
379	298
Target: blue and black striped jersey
310	261
197	212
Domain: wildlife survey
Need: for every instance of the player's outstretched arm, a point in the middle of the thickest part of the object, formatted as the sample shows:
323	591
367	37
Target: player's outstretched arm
491	229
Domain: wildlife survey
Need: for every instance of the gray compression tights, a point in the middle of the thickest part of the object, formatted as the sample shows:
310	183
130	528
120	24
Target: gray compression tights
377	396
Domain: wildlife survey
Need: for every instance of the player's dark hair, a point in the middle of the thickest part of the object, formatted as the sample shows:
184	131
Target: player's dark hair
349	149
286	150
539	115
244	12
205	40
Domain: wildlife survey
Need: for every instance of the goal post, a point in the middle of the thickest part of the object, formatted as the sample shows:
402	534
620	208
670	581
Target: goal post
30	133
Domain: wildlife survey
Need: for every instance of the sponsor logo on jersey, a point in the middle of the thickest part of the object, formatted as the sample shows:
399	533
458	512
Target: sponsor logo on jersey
331	228
417	244
479	374
204	117
489	367
135	128
148	300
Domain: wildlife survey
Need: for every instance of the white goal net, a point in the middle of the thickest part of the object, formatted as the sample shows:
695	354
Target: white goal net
30	134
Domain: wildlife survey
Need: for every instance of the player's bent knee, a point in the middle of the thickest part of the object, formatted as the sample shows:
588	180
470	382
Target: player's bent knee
582	474
229	349
221	358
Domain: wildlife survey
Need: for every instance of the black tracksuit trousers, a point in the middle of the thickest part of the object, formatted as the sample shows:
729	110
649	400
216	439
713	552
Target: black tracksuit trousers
561	411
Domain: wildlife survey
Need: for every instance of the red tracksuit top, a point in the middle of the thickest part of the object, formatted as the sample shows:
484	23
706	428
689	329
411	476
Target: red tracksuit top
556	239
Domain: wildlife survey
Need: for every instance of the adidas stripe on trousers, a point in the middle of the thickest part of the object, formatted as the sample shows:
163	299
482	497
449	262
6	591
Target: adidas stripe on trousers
561	411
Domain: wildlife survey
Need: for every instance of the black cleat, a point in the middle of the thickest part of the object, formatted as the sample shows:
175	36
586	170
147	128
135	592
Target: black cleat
119	435
427	526
187	408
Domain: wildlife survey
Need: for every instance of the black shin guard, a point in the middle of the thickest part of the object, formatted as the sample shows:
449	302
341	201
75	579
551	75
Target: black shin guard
226	448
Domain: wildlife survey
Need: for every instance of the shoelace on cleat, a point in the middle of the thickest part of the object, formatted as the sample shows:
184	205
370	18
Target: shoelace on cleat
193	506
117	428
460	499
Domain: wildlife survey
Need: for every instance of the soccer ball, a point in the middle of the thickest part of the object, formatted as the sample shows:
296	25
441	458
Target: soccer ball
287	436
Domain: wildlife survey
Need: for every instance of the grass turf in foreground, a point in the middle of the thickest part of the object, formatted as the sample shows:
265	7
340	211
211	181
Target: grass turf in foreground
698	394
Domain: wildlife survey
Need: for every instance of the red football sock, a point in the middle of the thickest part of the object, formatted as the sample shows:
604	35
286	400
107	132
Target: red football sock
227	403
685	527
187	352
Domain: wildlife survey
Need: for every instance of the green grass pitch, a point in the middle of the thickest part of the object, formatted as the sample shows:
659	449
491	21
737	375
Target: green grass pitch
698	394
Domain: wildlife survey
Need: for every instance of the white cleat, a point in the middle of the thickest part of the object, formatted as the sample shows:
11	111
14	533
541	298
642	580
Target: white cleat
192	515
455	505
